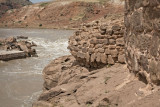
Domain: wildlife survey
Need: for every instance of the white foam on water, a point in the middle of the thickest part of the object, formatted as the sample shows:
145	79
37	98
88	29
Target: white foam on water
30	99
51	49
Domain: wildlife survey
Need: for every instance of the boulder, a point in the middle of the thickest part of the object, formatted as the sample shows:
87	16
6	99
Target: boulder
22	37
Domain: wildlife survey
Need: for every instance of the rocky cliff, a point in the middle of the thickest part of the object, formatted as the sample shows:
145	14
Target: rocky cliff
6	5
142	21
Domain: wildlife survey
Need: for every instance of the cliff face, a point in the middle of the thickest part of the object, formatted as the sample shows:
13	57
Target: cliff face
59	14
6	5
142	21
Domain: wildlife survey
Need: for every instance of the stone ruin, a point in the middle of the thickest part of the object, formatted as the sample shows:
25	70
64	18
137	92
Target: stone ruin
142	39
97	44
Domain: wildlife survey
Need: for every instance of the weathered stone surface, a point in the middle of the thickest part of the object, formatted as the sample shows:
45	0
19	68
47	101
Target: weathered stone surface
10	55
93	42
120	41
142	38
121	58
114	53
112	41
107	51
98	57
93	57
42	104
11	49
110	60
103	58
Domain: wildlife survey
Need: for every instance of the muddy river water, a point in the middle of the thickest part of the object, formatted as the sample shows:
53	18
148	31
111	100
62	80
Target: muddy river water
21	80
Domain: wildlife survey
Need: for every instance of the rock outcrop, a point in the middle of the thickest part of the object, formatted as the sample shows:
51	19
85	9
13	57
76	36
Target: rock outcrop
67	84
11	48
97	44
142	39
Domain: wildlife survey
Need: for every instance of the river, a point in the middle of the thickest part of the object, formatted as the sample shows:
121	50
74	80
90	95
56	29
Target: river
21	80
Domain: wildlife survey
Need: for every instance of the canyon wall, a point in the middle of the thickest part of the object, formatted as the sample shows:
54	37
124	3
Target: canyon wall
97	44
142	39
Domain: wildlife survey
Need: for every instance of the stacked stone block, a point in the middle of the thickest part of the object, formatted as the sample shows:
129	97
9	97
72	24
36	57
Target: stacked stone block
142	39
97	44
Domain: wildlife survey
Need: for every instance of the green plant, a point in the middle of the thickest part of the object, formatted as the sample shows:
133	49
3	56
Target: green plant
106	91
44	4
88	105
0	43
103	1
106	79
40	25
19	21
109	65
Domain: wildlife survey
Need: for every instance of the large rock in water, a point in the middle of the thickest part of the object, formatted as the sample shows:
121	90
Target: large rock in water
142	22
10	55
98	43
11	48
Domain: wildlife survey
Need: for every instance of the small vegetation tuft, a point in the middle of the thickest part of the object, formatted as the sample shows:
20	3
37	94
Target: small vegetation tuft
44	4
106	79
40	25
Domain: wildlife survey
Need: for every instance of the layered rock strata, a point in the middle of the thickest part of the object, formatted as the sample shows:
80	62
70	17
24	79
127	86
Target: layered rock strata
142	39
97	44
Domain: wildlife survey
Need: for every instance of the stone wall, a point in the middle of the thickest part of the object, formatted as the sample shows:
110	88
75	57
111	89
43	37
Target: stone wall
97	44
142	39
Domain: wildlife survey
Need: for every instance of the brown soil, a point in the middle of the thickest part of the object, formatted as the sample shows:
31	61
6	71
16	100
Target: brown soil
58	14
69	85
6	5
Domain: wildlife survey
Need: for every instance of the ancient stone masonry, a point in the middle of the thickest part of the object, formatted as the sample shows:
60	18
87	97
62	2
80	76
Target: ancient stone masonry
97	44
142	39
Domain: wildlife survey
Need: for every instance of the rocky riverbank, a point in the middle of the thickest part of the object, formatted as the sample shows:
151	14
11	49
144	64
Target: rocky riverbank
67	84
81	80
16	48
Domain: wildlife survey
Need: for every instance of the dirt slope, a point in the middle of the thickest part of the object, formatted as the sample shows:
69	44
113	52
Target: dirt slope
6	5
58	14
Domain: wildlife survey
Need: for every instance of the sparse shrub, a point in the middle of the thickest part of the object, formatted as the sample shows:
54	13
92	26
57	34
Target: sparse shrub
103	1
40	25
44	4
19	21
106	79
